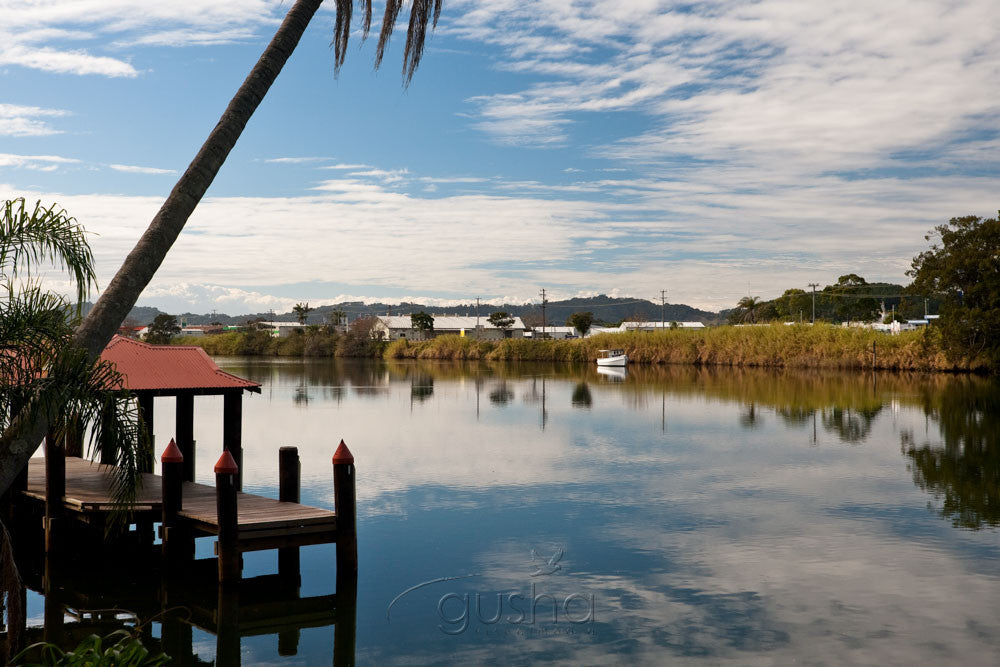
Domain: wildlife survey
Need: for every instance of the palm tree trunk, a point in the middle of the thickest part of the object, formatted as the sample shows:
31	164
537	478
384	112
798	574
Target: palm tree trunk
96	330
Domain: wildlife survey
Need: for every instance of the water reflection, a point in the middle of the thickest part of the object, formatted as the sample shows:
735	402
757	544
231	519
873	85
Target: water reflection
963	471
715	514
581	396
97	594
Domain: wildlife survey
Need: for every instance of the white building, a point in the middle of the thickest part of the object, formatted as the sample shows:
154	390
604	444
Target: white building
394	327
554	332
281	329
653	326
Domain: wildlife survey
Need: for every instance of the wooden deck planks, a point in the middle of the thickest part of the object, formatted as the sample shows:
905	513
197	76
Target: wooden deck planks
87	490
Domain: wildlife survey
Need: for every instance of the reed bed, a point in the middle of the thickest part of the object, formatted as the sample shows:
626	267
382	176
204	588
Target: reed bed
777	346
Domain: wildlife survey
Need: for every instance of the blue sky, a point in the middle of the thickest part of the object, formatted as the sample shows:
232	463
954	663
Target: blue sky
598	146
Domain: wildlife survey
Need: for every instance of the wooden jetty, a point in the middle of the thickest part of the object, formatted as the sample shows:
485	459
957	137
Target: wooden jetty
76	495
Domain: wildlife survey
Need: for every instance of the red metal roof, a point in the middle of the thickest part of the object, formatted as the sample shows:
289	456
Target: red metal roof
168	367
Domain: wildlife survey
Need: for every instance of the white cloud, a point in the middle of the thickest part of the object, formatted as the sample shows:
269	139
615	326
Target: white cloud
131	169
676	235
35	162
35	34
64	62
344	166
796	86
27	121
303	160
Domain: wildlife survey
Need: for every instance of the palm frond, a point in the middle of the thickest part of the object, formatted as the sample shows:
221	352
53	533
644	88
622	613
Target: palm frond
422	12
28	239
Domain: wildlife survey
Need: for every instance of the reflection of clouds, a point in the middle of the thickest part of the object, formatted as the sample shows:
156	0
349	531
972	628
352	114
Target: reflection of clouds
709	543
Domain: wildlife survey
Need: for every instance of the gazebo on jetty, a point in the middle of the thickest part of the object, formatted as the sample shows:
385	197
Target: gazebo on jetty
75	493
183	372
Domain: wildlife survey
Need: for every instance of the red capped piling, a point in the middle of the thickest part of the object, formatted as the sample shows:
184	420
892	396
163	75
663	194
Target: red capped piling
230	559
345	504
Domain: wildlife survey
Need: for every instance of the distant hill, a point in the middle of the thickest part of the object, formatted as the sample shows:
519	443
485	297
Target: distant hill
606	309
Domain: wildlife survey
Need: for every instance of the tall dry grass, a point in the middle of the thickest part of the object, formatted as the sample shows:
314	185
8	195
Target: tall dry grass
778	346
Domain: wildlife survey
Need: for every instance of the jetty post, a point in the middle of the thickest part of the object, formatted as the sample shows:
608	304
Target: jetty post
289	484
229	557
172	461
184	425
345	504
232	430
55	490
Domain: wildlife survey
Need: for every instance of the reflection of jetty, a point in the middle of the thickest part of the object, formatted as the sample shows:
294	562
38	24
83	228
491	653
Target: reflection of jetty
92	597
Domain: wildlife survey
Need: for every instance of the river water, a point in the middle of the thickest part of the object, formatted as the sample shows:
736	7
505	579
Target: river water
550	513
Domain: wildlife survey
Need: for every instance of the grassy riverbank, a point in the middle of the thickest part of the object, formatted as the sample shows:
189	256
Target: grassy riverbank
800	346
777	346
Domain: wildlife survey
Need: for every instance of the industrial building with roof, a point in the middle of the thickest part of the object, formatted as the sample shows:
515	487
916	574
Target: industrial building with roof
394	327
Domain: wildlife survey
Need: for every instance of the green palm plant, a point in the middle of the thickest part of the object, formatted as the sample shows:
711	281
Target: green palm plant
45	377
44	374
747	309
95	331
302	311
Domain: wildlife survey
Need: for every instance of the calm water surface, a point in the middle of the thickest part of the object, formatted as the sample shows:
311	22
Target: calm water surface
554	514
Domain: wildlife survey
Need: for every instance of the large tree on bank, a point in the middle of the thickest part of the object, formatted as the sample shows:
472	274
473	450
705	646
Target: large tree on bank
22	438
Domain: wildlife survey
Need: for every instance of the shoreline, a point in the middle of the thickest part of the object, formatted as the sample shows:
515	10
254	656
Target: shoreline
822	346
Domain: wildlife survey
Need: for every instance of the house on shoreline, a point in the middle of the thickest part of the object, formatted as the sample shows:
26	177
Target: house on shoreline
395	327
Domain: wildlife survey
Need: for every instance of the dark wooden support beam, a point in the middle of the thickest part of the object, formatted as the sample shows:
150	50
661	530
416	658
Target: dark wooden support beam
345	504
109	451
54	612
55	490
345	631
229	556
74	436
289	479
227	629
184	432
146	417
232	430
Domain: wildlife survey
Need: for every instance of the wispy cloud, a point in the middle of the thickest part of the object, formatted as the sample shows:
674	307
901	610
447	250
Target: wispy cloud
665	234
35	162
79	37
801	86
304	160
344	166
27	121
132	169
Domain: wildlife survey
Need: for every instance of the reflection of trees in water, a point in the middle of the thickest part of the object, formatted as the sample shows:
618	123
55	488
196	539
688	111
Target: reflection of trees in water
795	415
581	396
301	395
501	395
421	387
964	473
851	424
750	418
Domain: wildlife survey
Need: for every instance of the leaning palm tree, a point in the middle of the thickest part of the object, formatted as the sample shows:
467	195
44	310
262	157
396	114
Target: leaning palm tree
96	330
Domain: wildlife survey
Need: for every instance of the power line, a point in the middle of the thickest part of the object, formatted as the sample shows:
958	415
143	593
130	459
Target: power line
544	303
814	286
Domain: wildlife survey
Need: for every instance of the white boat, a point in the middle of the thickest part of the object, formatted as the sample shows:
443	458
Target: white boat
611	358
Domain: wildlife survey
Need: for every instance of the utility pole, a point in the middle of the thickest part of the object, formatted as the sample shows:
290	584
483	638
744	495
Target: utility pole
663	306
477	318
814	286
543	312
926	312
